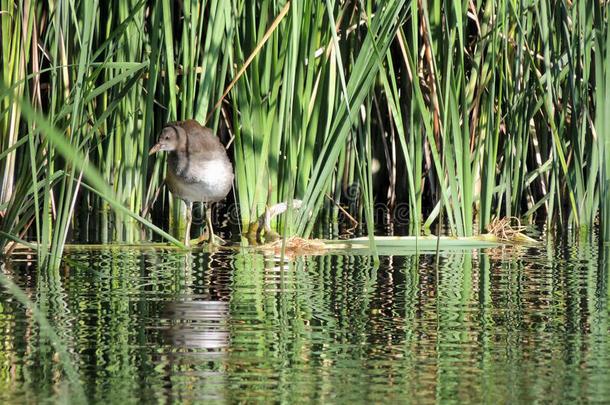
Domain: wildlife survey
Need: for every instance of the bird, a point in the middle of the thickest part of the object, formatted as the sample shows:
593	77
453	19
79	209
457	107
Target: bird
198	168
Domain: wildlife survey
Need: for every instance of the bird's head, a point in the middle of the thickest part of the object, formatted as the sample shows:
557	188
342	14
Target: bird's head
168	139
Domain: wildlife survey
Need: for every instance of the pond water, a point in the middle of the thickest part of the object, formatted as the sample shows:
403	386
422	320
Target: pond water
141	326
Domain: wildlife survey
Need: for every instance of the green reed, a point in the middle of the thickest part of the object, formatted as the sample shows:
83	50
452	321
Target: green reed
602	126
470	110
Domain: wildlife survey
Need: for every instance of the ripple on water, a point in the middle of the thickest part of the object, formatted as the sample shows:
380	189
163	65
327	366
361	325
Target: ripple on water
160	325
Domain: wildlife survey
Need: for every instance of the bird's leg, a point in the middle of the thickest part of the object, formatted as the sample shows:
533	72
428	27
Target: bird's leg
189	219
208	222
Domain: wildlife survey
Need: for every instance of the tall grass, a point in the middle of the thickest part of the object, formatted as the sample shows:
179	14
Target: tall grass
470	110
88	124
602	126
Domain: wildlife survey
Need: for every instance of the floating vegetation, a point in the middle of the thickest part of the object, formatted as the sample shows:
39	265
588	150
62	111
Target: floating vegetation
295	246
506	232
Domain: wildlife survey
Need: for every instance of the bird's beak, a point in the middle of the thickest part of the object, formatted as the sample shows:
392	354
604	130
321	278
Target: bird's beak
154	149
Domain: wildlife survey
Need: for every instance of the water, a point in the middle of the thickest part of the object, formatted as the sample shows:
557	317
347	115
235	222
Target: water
164	326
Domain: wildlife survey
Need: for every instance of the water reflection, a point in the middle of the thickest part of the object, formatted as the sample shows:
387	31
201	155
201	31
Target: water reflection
502	325
197	324
195	331
197	338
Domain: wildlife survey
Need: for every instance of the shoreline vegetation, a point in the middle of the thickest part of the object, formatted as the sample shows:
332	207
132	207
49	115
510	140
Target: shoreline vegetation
459	112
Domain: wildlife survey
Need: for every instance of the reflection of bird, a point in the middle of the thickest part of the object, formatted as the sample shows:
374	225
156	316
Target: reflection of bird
198	324
198	167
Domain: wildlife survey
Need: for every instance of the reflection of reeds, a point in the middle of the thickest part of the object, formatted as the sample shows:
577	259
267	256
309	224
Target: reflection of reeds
454	113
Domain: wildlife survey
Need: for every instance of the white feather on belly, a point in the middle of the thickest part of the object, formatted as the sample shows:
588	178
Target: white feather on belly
211	182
